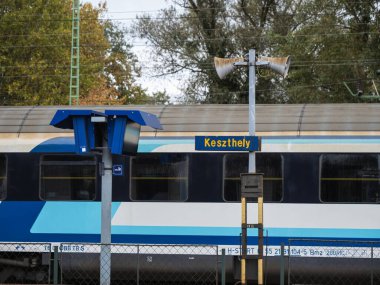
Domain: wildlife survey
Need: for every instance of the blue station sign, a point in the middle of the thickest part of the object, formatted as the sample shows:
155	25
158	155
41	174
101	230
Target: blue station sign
117	170
227	143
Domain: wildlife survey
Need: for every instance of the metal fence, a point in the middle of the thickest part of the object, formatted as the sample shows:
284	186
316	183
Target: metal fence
333	262
25	263
79	263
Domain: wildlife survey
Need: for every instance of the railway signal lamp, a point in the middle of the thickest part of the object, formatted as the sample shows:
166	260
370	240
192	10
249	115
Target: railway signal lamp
80	122
123	128
112	132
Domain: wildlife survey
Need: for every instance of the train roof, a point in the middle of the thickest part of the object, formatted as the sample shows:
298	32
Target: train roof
189	120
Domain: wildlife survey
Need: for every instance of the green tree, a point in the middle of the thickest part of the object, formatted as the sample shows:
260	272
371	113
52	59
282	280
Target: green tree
121	67
330	42
33	52
116	82
337	43
159	98
188	41
35	55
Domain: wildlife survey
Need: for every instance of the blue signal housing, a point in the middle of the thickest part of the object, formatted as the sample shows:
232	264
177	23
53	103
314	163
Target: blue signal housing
123	128
80	122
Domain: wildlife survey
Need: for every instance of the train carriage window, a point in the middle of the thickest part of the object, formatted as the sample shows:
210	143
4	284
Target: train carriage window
350	178
3	176
159	177
268	163
68	177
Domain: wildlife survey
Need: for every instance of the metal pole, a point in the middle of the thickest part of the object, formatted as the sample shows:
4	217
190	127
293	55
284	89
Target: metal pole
138	265
55	265
223	267
372	265
75	54
282	264
251	103
243	264
2	70
105	238
260	271
252	157
289	263
251	164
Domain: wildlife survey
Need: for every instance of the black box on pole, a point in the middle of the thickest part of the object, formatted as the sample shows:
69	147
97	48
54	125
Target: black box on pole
252	185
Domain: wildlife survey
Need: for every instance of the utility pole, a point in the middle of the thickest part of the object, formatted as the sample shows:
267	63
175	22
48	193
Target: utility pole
75	59
2	70
252	179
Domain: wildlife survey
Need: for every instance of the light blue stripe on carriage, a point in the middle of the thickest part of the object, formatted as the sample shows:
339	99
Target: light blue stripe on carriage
84	218
66	144
70	218
148	145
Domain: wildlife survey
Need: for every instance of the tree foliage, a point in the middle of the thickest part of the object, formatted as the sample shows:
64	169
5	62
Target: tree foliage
35	55
330	42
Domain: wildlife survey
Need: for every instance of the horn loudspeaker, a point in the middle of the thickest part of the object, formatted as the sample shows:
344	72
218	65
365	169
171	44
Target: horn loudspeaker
224	66
277	64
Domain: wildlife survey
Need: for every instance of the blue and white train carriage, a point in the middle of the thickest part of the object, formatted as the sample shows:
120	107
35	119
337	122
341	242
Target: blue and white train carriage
321	168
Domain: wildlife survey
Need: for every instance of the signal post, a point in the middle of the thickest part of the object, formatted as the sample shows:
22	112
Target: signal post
112	132
252	187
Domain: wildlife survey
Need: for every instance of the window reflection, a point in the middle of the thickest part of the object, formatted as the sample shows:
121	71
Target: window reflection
270	164
68	177
159	177
353	178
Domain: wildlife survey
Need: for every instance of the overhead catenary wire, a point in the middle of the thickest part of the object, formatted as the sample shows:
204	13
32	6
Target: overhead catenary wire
237	37
195	41
180	13
321	84
142	64
5	68
164	19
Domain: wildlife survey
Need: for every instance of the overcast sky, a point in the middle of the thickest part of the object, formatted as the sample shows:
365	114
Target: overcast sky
127	10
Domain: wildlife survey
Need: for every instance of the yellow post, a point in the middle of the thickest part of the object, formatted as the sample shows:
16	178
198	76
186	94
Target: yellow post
244	241
252	187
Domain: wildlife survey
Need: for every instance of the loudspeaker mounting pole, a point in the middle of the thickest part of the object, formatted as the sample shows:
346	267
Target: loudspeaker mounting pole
223	67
